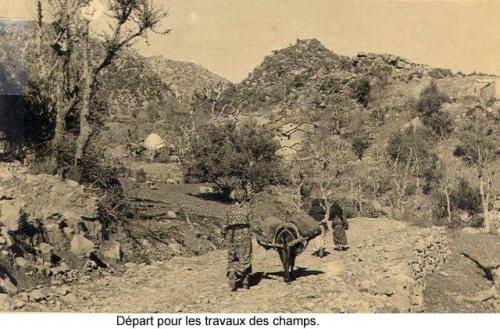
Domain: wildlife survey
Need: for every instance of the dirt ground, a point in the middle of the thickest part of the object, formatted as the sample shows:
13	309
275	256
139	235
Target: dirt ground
373	276
450	289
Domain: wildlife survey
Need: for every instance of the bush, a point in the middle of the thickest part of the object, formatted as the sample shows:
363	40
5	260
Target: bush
466	197
439	73
234	156
430	101
439	211
360	144
141	176
439	122
361	90
409	143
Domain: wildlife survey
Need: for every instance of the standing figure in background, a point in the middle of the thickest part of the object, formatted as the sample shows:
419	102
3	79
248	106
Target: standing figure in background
339	226
317	210
238	236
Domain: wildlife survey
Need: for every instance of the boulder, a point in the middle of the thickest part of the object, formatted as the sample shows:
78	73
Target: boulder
172	181
10	212
68	231
171	214
21	262
81	246
6	286
45	248
206	190
114	252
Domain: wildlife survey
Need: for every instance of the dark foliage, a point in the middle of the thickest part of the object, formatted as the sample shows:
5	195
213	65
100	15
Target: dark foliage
234	156
360	143
361	90
430	101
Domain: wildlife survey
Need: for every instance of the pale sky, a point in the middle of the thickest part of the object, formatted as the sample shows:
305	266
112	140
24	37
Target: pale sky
231	37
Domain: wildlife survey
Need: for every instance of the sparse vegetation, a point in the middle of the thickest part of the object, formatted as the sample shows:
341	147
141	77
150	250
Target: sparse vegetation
361	90
479	148
429	108
360	143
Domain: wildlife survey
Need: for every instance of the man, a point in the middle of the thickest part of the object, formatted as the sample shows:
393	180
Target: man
339	226
237	233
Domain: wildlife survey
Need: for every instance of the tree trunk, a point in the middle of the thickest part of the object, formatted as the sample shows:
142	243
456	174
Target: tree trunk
59	129
448	204
85	126
484	202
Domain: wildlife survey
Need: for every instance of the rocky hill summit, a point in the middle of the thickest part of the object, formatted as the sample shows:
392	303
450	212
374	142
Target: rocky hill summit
308	70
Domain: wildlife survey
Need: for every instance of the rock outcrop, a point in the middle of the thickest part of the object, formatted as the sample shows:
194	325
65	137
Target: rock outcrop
46	226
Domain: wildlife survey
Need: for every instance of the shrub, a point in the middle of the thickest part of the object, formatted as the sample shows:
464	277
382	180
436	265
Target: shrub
440	123
361	90
466	197
407	144
360	143
141	176
439	210
234	156
439	73
430	101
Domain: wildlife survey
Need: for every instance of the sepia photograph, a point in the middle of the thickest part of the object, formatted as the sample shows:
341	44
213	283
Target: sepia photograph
258	157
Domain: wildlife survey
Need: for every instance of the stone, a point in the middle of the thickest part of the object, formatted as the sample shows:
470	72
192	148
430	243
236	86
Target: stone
81	246
206	190
4	301
68	231
171	214
62	268
37	295
6	286
21	262
62	291
70	298
45	248
114	252
72	183
10	213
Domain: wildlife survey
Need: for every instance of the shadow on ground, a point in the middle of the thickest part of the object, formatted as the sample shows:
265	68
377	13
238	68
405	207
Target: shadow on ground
257	277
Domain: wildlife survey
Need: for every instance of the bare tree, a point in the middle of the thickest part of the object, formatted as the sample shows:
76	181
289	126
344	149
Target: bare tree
71	71
480	149
326	160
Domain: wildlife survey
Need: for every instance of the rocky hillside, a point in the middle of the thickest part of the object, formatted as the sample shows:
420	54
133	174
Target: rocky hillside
54	231
184	79
12	73
368	101
306	71
49	229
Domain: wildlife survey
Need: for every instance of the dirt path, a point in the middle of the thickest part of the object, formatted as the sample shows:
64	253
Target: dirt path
375	275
